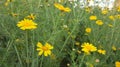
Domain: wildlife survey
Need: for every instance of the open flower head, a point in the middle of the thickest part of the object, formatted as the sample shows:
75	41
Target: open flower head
117	16
62	8
99	22
27	24
87	48
88	30
44	49
105	11
93	17
31	16
118	8
102	51
114	48
111	17
117	64
88	9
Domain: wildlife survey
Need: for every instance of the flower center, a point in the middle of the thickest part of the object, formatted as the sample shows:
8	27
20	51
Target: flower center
88	47
27	24
44	48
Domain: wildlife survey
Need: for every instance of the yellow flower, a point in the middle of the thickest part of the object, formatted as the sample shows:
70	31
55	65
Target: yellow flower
88	30
27	24
7	2
105	11
77	43
102	51
99	22
14	14
46	49
118	8
92	17
114	48
111	17
110	25
62	8
87	9
117	64
117	16
53	56
31	16
87	48
89	64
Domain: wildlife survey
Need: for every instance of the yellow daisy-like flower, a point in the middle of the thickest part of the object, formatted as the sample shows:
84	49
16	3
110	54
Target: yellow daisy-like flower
89	64
92	17
14	14
118	8
114	48
110	25
31	16
62	8
87	48
46	49
117	64
99	22
102	51
117	16
27	24
87	9
6	3
105	11
88	30
112	17
77	43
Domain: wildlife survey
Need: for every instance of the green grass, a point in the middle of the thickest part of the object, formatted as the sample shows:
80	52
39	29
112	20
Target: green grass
62	30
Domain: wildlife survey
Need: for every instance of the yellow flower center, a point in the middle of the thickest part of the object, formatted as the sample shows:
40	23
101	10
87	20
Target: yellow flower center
44	48
88	47
27	24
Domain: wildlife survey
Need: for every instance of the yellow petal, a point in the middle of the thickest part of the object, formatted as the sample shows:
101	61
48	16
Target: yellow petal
40	53
39	44
45	53
38	49
49	46
49	52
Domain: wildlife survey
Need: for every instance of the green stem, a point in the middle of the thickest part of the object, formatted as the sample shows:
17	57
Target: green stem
41	61
18	55
27	49
33	52
82	60
39	3
68	38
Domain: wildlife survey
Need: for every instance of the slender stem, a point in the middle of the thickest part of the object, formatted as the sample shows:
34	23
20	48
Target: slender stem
33	47
82	60
27	49
7	51
68	38
18	55
41	61
39	3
